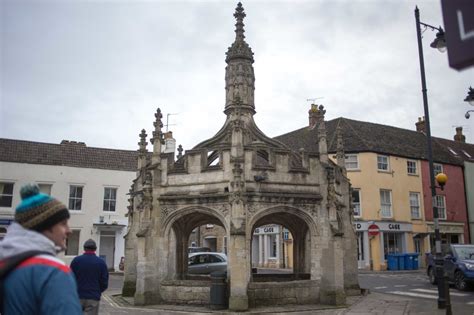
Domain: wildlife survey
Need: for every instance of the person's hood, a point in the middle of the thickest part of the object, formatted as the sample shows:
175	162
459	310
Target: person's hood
18	240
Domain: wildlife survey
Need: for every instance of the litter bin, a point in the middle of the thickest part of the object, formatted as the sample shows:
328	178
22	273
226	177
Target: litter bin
392	261
411	261
408	261
415	261
401	261
218	294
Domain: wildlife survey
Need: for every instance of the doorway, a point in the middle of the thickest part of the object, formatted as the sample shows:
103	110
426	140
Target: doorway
107	248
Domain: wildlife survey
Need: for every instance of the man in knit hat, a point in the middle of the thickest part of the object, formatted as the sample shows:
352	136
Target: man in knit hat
41	284
92	278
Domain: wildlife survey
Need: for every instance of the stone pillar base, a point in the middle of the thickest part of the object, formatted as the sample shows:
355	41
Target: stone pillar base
238	303
332	297
353	290
128	288
147	298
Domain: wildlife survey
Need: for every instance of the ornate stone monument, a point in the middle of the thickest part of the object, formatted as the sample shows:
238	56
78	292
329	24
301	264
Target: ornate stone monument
240	179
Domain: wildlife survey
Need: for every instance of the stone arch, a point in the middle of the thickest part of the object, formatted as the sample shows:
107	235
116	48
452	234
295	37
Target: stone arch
300	224
179	226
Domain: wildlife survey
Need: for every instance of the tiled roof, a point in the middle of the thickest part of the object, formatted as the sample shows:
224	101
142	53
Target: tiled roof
360	136
68	153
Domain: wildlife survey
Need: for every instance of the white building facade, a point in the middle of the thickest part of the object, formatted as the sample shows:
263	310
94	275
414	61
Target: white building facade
93	182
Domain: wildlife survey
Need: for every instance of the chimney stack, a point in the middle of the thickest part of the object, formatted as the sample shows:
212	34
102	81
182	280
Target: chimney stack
459	137
313	116
421	125
170	143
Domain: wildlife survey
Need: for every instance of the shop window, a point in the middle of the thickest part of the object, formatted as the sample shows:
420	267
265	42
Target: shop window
415	205
273	245
392	243
356	202
360	246
386	203
6	194
72	243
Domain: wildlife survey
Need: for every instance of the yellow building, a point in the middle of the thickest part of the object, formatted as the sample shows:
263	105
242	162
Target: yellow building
387	193
383	164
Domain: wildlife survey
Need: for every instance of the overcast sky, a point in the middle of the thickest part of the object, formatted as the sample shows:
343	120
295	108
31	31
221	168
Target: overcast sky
96	71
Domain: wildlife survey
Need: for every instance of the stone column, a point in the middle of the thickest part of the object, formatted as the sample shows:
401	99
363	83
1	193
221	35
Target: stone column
332	281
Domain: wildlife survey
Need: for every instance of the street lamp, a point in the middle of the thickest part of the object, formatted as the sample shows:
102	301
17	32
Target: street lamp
470	99
440	43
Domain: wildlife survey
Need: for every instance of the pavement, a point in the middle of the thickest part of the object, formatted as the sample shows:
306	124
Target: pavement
367	303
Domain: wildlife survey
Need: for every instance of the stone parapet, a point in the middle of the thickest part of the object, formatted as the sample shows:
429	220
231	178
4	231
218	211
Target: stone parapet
280	293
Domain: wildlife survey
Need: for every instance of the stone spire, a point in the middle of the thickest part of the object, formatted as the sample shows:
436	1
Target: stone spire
239	73
142	151
157	139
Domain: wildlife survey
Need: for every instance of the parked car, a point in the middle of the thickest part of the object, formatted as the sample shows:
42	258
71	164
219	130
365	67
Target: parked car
458	264
206	262
198	249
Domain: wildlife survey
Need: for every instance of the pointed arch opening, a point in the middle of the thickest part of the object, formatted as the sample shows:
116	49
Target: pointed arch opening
280	246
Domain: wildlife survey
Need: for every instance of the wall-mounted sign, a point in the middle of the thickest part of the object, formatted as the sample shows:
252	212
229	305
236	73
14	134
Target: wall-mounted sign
374	230
458	18
267	230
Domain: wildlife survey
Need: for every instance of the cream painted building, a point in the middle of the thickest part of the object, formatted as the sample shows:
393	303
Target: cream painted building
387	169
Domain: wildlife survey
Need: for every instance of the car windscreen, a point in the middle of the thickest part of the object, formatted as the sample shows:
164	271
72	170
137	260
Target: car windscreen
465	252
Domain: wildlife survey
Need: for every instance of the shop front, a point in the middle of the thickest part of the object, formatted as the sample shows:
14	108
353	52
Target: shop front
450	232
377	239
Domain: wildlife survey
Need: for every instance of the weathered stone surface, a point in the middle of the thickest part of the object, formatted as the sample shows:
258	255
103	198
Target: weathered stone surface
239	180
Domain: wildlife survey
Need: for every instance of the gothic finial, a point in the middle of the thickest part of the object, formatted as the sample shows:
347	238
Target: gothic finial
142	144
239	49
180	151
158	124
239	26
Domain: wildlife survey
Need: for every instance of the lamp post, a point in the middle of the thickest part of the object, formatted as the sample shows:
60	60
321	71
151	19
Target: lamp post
439	42
470	99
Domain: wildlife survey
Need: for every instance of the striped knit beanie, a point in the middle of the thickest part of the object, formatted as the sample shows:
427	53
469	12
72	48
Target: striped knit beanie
38	211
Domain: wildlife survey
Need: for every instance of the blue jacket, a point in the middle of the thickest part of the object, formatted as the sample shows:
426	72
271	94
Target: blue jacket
42	284
91	274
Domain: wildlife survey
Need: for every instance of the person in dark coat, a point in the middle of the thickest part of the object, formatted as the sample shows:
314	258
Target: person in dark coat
92	278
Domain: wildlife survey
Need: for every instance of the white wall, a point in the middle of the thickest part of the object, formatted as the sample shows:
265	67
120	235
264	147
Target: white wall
93	181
